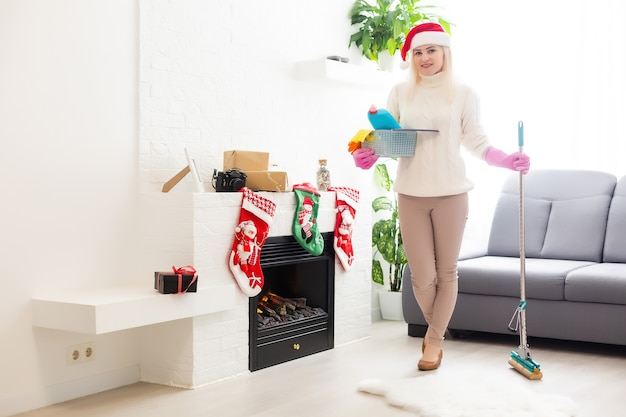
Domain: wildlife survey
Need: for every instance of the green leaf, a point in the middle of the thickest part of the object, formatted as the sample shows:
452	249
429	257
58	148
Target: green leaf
392	46
377	272
381	174
376	232
401	255
384	238
382	231
382	203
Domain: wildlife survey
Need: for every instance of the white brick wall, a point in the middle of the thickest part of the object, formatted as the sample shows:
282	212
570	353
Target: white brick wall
213	79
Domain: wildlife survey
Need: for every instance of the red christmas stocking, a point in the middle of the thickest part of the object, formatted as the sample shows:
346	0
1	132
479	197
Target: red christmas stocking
255	219
347	201
304	227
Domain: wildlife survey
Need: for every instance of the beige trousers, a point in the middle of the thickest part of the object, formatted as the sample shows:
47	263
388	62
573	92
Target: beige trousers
432	230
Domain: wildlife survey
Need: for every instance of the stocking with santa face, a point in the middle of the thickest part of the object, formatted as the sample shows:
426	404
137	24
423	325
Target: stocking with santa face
347	200
251	232
304	228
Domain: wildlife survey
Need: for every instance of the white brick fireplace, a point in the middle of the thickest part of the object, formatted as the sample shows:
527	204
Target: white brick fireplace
198	90
197	229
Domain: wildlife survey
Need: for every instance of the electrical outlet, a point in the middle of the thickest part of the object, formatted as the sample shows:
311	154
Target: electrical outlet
83	352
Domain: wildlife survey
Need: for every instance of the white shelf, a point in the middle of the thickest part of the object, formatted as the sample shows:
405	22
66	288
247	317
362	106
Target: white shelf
328	69
113	309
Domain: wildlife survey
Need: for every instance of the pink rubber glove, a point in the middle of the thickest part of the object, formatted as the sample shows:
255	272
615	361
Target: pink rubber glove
364	158
516	161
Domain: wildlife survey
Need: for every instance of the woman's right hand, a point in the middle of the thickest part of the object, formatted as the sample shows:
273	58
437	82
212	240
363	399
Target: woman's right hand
364	158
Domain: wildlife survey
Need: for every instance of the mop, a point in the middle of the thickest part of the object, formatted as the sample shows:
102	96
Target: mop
521	358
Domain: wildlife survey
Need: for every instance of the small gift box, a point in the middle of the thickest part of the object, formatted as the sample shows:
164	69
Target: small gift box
178	281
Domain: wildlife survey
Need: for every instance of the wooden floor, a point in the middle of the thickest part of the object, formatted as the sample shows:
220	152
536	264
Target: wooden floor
324	384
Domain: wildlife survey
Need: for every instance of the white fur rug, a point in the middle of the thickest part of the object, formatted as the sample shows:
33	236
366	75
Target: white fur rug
468	395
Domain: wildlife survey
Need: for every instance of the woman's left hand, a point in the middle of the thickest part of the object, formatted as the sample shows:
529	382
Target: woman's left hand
520	162
517	161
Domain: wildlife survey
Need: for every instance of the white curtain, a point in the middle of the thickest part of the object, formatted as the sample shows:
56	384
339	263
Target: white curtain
558	66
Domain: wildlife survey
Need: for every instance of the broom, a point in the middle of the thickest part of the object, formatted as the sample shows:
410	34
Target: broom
521	358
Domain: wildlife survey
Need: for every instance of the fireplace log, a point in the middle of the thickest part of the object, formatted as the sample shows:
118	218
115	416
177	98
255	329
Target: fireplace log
272	306
263	320
284	303
276	304
269	312
298	302
278	307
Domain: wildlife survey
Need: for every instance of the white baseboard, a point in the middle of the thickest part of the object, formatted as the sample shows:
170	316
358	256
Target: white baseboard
57	393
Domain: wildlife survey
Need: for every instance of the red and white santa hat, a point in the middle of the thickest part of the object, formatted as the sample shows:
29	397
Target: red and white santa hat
423	34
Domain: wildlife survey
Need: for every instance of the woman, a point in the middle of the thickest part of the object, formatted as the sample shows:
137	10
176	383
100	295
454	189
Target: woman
432	185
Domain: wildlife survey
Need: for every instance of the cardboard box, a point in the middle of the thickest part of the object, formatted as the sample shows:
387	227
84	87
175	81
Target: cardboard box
246	160
267	181
171	283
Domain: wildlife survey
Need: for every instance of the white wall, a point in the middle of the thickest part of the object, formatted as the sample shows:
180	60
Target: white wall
69	123
72	151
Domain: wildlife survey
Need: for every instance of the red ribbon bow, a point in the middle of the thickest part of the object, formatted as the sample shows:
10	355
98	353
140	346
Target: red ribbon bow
184	270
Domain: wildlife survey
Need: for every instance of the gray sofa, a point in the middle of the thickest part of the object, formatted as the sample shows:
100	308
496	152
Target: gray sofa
575	234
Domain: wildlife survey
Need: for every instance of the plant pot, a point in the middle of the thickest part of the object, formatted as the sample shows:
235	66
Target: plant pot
390	305
387	62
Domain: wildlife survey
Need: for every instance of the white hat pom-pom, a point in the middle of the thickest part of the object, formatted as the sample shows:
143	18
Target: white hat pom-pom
404	65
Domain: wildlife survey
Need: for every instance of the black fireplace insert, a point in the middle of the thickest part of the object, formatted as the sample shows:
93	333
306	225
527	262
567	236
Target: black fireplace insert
293	316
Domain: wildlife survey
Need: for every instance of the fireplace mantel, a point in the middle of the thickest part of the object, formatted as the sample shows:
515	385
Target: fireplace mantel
197	218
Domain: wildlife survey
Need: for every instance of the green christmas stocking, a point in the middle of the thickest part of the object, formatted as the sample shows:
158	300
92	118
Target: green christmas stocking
304	228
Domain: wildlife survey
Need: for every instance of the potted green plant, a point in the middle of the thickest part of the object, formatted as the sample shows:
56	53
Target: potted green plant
387	245
381	25
386	234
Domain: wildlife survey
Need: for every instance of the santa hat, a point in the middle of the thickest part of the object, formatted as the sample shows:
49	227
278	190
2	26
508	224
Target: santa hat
423	34
307	201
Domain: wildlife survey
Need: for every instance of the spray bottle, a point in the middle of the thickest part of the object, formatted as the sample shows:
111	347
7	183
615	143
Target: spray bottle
381	119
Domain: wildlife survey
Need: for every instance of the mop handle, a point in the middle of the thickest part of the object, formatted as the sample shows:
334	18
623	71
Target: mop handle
520	141
522	249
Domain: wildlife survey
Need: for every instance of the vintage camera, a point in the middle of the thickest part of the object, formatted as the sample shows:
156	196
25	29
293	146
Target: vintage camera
230	180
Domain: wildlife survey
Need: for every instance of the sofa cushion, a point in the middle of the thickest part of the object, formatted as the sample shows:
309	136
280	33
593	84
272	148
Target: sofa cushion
615	241
504	238
600	283
576	229
565	215
499	275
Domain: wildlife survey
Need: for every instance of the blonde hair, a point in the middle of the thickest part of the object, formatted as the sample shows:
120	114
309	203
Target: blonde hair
446	70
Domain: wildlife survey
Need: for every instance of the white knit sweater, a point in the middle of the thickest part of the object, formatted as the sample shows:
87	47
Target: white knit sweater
437	168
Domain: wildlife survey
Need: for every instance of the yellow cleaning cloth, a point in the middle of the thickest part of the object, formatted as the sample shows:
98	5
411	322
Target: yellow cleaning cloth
358	138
